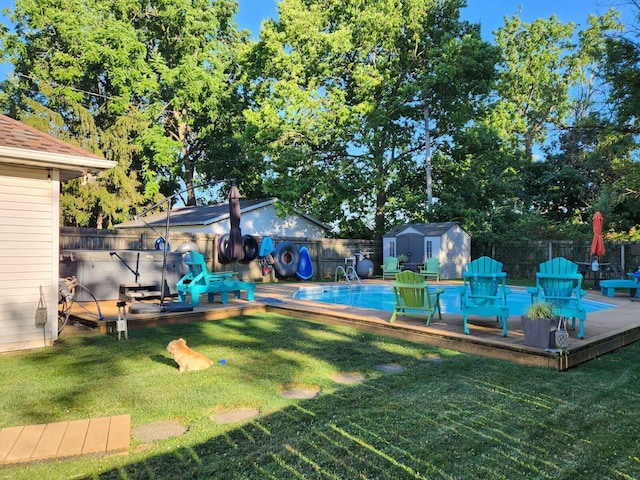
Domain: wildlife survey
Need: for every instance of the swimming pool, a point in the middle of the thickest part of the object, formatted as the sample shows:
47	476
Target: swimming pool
380	297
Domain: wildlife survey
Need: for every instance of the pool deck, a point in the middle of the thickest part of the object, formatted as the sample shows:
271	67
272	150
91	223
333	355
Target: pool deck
605	330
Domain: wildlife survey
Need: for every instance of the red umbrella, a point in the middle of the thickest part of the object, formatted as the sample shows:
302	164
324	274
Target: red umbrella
235	251
597	244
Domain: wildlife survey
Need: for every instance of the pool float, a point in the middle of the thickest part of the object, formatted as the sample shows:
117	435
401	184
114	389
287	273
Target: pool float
223	249
286	259
266	247
250	248
305	269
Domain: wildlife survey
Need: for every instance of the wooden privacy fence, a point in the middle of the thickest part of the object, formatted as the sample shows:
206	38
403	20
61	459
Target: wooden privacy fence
326	253
520	258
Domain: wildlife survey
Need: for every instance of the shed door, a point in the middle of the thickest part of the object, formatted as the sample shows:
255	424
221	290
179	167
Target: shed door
411	245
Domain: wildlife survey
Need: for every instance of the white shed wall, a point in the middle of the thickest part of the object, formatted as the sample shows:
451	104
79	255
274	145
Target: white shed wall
29	225
263	222
455	254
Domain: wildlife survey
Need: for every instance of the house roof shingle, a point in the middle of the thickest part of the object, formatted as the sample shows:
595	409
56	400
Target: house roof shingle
21	144
16	134
435	229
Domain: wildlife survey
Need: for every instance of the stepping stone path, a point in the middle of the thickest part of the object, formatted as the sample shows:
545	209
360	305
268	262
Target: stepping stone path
159	431
390	368
235	415
347	378
300	391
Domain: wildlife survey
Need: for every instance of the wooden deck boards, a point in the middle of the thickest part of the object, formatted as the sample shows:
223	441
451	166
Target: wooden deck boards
96	436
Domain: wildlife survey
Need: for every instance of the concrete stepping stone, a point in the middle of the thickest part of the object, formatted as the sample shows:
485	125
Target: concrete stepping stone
347	378
159	431
300	392
390	368
235	415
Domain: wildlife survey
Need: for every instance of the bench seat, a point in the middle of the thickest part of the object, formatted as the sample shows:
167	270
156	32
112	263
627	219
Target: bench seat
608	287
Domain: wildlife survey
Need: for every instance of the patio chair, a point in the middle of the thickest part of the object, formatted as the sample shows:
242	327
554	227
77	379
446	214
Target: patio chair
484	292
431	268
199	280
390	268
414	298
559	283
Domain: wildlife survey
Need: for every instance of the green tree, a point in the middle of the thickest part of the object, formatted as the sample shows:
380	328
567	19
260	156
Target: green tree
340	90
152	85
537	69
622	70
479	183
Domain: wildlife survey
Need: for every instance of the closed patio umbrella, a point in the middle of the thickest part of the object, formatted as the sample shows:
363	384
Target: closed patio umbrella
235	251
597	244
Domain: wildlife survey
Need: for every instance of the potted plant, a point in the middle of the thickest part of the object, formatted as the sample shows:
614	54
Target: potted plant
539	326
402	259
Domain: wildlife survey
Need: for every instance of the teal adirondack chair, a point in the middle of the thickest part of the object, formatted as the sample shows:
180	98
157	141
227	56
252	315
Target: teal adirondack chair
414	298
199	281
390	268
559	283
431	268
484	292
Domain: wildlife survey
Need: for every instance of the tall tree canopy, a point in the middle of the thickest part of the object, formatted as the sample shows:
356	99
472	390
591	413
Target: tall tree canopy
153	85
536	72
340	93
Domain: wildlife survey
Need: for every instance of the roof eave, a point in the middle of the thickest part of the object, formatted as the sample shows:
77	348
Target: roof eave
70	166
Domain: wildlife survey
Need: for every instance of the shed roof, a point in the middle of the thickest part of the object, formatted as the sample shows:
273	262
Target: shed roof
435	229
203	215
21	144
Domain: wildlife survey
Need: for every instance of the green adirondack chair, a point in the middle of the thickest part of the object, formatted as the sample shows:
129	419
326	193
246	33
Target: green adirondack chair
484	292
414	298
559	283
431	268
390	268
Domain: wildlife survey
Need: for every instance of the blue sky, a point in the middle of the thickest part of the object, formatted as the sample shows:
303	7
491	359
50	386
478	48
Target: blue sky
490	13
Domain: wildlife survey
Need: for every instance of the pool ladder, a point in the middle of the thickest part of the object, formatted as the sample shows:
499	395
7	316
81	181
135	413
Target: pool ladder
349	274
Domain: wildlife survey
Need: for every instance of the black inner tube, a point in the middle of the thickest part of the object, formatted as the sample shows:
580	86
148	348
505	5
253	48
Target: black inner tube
250	248
286	259
223	249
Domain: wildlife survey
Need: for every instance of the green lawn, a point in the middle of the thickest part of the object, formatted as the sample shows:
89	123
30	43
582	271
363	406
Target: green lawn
464	417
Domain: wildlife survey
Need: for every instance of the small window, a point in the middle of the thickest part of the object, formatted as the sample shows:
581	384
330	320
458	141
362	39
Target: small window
428	249
392	249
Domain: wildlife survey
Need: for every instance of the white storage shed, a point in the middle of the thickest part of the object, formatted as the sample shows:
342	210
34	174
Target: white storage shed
446	241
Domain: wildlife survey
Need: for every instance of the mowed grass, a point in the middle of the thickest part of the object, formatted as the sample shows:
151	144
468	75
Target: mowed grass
446	416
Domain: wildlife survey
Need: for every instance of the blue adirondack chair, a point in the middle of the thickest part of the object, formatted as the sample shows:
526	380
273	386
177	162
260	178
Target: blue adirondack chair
199	280
484	292
559	283
414	298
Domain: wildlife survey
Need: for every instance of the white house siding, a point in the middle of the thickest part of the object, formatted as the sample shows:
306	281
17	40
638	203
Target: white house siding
261	222
28	242
264	222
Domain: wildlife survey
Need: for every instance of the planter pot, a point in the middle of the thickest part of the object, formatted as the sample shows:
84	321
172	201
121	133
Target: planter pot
539	332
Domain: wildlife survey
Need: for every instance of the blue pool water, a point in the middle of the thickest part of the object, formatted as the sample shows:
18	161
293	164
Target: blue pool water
380	297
